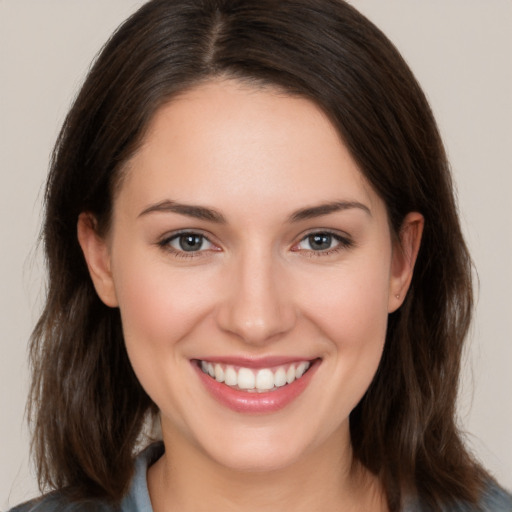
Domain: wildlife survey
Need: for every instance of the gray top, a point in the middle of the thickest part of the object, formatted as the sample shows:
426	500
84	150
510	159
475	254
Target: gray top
137	500
494	499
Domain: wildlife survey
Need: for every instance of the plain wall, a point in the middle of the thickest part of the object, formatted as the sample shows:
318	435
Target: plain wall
460	51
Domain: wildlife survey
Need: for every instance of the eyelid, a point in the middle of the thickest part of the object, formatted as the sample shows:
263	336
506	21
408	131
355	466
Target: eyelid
164	243
344	240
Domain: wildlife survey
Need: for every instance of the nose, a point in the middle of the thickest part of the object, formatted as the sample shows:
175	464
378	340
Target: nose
257	306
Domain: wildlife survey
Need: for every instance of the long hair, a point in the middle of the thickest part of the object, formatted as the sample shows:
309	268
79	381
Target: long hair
86	403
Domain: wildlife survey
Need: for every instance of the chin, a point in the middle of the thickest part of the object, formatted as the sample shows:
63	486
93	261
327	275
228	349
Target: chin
250	459
260	450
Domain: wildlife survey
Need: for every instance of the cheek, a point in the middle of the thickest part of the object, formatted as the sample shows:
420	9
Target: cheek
352	315
159	305
352	307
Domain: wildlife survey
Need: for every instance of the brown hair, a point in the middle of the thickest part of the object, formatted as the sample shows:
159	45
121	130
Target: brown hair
85	422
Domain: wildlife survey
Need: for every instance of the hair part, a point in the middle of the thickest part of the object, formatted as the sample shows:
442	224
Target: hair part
404	429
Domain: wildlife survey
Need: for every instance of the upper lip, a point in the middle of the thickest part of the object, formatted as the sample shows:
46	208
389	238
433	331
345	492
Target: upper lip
256	362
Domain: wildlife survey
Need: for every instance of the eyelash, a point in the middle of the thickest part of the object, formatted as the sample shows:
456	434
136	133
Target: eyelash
165	244
343	244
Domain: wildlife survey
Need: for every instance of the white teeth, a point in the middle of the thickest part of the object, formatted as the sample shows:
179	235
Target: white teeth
299	372
265	379
280	378
219	373
246	379
290	374
230	376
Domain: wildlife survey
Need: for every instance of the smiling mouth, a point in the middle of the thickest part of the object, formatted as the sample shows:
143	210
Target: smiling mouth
251	380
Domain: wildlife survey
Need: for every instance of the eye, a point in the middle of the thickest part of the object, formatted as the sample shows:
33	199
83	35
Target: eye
317	242
187	242
322	242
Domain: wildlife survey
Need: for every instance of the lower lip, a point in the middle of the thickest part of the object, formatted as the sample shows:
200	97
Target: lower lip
256	403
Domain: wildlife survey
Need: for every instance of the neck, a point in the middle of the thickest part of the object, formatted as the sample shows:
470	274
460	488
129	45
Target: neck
326	479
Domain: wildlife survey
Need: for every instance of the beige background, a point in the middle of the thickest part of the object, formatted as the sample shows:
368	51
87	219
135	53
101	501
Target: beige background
461	52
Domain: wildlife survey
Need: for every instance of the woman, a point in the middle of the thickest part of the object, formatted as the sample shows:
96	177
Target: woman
243	238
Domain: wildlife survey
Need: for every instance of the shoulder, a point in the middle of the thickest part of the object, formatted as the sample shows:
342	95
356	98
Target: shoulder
492	499
136	500
57	502
496	499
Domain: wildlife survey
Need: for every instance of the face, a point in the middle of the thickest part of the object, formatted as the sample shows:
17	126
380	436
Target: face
254	270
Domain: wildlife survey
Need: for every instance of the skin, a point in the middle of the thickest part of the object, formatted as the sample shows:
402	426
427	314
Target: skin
255	288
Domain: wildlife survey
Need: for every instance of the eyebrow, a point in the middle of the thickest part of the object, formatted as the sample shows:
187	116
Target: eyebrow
326	209
197	212
211	215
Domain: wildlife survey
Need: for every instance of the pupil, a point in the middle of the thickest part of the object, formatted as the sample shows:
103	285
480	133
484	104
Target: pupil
190	242
320	242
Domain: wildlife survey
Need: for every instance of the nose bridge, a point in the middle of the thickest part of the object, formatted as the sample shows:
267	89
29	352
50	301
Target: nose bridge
258	306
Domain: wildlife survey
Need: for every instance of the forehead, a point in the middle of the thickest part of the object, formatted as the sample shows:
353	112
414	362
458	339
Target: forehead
225	137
